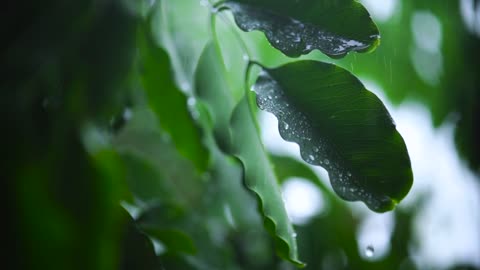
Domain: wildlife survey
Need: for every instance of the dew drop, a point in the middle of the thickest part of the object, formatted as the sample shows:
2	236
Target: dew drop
311	157
294	234
369	251
315	149
286	126
327	161
191	101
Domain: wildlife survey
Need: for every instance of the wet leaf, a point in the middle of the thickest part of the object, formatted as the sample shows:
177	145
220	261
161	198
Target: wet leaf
334	27
340	126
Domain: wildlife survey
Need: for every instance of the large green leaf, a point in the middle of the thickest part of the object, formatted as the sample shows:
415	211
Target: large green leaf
340	126
334	27
168	103
235	130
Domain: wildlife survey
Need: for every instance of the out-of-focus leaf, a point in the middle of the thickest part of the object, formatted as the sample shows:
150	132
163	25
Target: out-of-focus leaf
260	178
165	222
155	170
216	93
334	27
168	103
340	126
138	251
234	123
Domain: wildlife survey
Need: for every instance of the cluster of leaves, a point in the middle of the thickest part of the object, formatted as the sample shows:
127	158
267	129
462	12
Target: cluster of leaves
183	153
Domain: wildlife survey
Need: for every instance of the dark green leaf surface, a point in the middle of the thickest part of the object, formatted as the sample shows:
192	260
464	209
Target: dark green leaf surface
168	103
334	27
340	126
239	137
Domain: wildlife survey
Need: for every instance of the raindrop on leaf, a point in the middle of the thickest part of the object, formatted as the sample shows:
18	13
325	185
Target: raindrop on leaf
369	251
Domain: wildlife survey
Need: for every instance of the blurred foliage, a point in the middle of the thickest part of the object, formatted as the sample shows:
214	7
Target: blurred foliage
113	159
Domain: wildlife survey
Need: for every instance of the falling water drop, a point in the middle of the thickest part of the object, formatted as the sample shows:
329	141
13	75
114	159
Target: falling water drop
369	251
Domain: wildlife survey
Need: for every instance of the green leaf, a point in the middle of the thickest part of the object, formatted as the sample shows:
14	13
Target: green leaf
137	249
334	27
165	222
260	178
216	93
235	130
340	126
168	103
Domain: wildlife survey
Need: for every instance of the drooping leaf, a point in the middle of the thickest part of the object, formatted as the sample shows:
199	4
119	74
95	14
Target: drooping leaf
166	100
334	27
261	179
340	126
236	132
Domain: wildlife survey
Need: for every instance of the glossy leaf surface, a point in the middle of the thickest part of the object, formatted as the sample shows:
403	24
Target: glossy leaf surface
340	126
334	27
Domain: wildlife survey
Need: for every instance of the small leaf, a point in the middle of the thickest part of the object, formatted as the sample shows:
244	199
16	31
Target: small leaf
334	27
137	249
340	126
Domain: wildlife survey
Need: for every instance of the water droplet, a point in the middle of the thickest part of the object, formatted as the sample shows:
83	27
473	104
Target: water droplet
269	97
309	47
349	174
286	126
315	149
311	157
294	234
327	161
245	57
191	101
369	251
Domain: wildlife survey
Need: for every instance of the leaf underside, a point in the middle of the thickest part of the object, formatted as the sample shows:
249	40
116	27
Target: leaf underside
335	27
340	126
